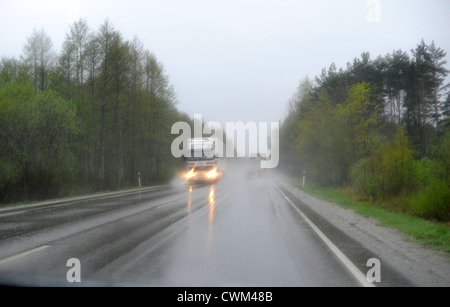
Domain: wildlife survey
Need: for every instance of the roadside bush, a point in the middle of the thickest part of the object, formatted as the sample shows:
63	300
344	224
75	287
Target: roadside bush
443	156
432	201
388	170
364	180
397	166
425	171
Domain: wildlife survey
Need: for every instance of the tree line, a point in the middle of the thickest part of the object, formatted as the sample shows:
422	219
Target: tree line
380	126
89	118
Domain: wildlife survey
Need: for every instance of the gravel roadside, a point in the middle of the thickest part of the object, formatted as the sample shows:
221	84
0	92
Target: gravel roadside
423	265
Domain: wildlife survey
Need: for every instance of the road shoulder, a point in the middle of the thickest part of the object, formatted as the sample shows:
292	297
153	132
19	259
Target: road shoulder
422	265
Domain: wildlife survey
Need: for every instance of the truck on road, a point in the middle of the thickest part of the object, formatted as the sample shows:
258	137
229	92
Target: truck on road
203	161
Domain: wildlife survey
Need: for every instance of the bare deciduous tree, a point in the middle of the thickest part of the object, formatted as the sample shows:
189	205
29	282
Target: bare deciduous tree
39	57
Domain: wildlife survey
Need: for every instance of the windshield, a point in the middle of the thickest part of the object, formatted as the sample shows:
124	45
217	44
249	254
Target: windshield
225	143
200	155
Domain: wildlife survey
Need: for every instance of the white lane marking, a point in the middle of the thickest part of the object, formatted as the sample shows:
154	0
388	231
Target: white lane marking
357	274
15	257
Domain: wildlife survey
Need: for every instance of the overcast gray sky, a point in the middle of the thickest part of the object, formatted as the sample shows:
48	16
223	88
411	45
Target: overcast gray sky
240	60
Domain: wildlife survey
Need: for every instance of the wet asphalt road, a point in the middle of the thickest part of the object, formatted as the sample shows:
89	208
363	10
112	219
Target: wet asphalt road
233	233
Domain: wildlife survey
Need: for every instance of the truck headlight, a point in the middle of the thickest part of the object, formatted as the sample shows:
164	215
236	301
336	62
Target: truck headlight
190	174
212	174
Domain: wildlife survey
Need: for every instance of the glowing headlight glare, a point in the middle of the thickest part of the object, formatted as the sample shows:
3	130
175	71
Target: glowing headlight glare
190	174
212	174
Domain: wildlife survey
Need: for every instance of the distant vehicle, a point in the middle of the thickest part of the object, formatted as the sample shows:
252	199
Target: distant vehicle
251	173
203	163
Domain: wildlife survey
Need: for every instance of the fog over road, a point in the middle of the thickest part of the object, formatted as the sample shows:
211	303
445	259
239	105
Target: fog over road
236	232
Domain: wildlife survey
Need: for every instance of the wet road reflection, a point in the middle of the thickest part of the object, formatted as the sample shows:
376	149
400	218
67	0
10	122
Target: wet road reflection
237	233
210	234
190	200
245	236
211	206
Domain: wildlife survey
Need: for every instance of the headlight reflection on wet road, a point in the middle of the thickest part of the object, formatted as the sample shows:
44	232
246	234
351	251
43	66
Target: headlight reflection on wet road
189	200
212	202
210	234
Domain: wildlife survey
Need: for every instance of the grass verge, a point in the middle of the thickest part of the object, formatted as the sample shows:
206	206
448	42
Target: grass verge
428	232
